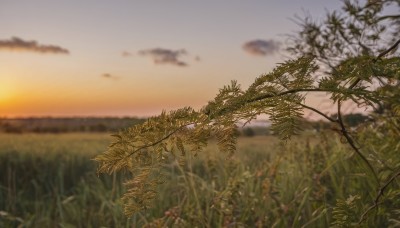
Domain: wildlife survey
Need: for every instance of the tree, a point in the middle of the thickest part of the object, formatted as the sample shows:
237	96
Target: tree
352	57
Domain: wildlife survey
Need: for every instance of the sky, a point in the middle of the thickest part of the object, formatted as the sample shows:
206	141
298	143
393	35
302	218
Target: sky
137	58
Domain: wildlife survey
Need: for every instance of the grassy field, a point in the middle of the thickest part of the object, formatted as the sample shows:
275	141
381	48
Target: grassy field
49	180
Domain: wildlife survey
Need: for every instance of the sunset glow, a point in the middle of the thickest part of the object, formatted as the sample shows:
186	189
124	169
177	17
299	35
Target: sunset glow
4	95
118	58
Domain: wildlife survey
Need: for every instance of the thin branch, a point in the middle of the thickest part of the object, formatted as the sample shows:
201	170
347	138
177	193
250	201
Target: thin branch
158	141
392	17
266	96
319	112
387	51
376	59
273	95
379	195
354	83
352	143
242	103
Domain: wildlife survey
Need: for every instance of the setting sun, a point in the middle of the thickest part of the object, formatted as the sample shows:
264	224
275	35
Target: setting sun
5	94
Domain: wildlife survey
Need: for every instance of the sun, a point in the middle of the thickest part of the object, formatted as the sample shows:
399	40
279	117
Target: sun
5	94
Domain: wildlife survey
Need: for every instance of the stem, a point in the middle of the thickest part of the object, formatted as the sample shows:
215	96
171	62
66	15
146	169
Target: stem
352	143
387	51
392	17
319	112
158	141
265	96
269	95
379	195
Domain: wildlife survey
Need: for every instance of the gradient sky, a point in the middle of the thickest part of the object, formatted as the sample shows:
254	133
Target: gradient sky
135	58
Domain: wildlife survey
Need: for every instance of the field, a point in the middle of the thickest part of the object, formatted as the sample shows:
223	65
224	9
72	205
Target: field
49	180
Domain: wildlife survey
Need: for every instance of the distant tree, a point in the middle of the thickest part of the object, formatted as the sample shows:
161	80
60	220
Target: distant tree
248	132
350	56
15	129
352	119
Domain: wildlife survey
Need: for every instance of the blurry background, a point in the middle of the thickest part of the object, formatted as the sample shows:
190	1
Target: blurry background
130	58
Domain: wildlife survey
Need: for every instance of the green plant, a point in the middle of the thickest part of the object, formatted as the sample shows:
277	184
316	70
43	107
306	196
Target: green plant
351	56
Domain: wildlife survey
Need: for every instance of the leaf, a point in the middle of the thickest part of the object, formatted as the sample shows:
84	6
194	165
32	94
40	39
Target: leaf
179	145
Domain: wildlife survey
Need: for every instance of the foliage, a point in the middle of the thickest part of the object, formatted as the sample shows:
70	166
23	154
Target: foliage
351	57
291	184
344	212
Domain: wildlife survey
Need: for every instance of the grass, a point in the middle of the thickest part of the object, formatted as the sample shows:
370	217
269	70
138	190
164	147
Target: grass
50	181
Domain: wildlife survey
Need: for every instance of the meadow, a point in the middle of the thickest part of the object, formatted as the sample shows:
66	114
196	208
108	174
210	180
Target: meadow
49	180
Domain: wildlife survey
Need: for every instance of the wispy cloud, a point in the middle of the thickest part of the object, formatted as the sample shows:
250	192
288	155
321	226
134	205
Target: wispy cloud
18	44
109	76
126	54
261	47
165	56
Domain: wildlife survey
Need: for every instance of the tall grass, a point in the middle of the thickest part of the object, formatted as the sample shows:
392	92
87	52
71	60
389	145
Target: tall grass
50	181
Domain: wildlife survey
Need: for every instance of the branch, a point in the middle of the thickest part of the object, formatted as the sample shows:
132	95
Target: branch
379	195
376	59
352	144
354	83
265	96
158	141
269	95
387	50
392	17
319	112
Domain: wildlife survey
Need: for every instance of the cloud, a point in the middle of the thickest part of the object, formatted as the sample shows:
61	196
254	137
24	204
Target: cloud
18	44
109	76
126	54
165	56
261	47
